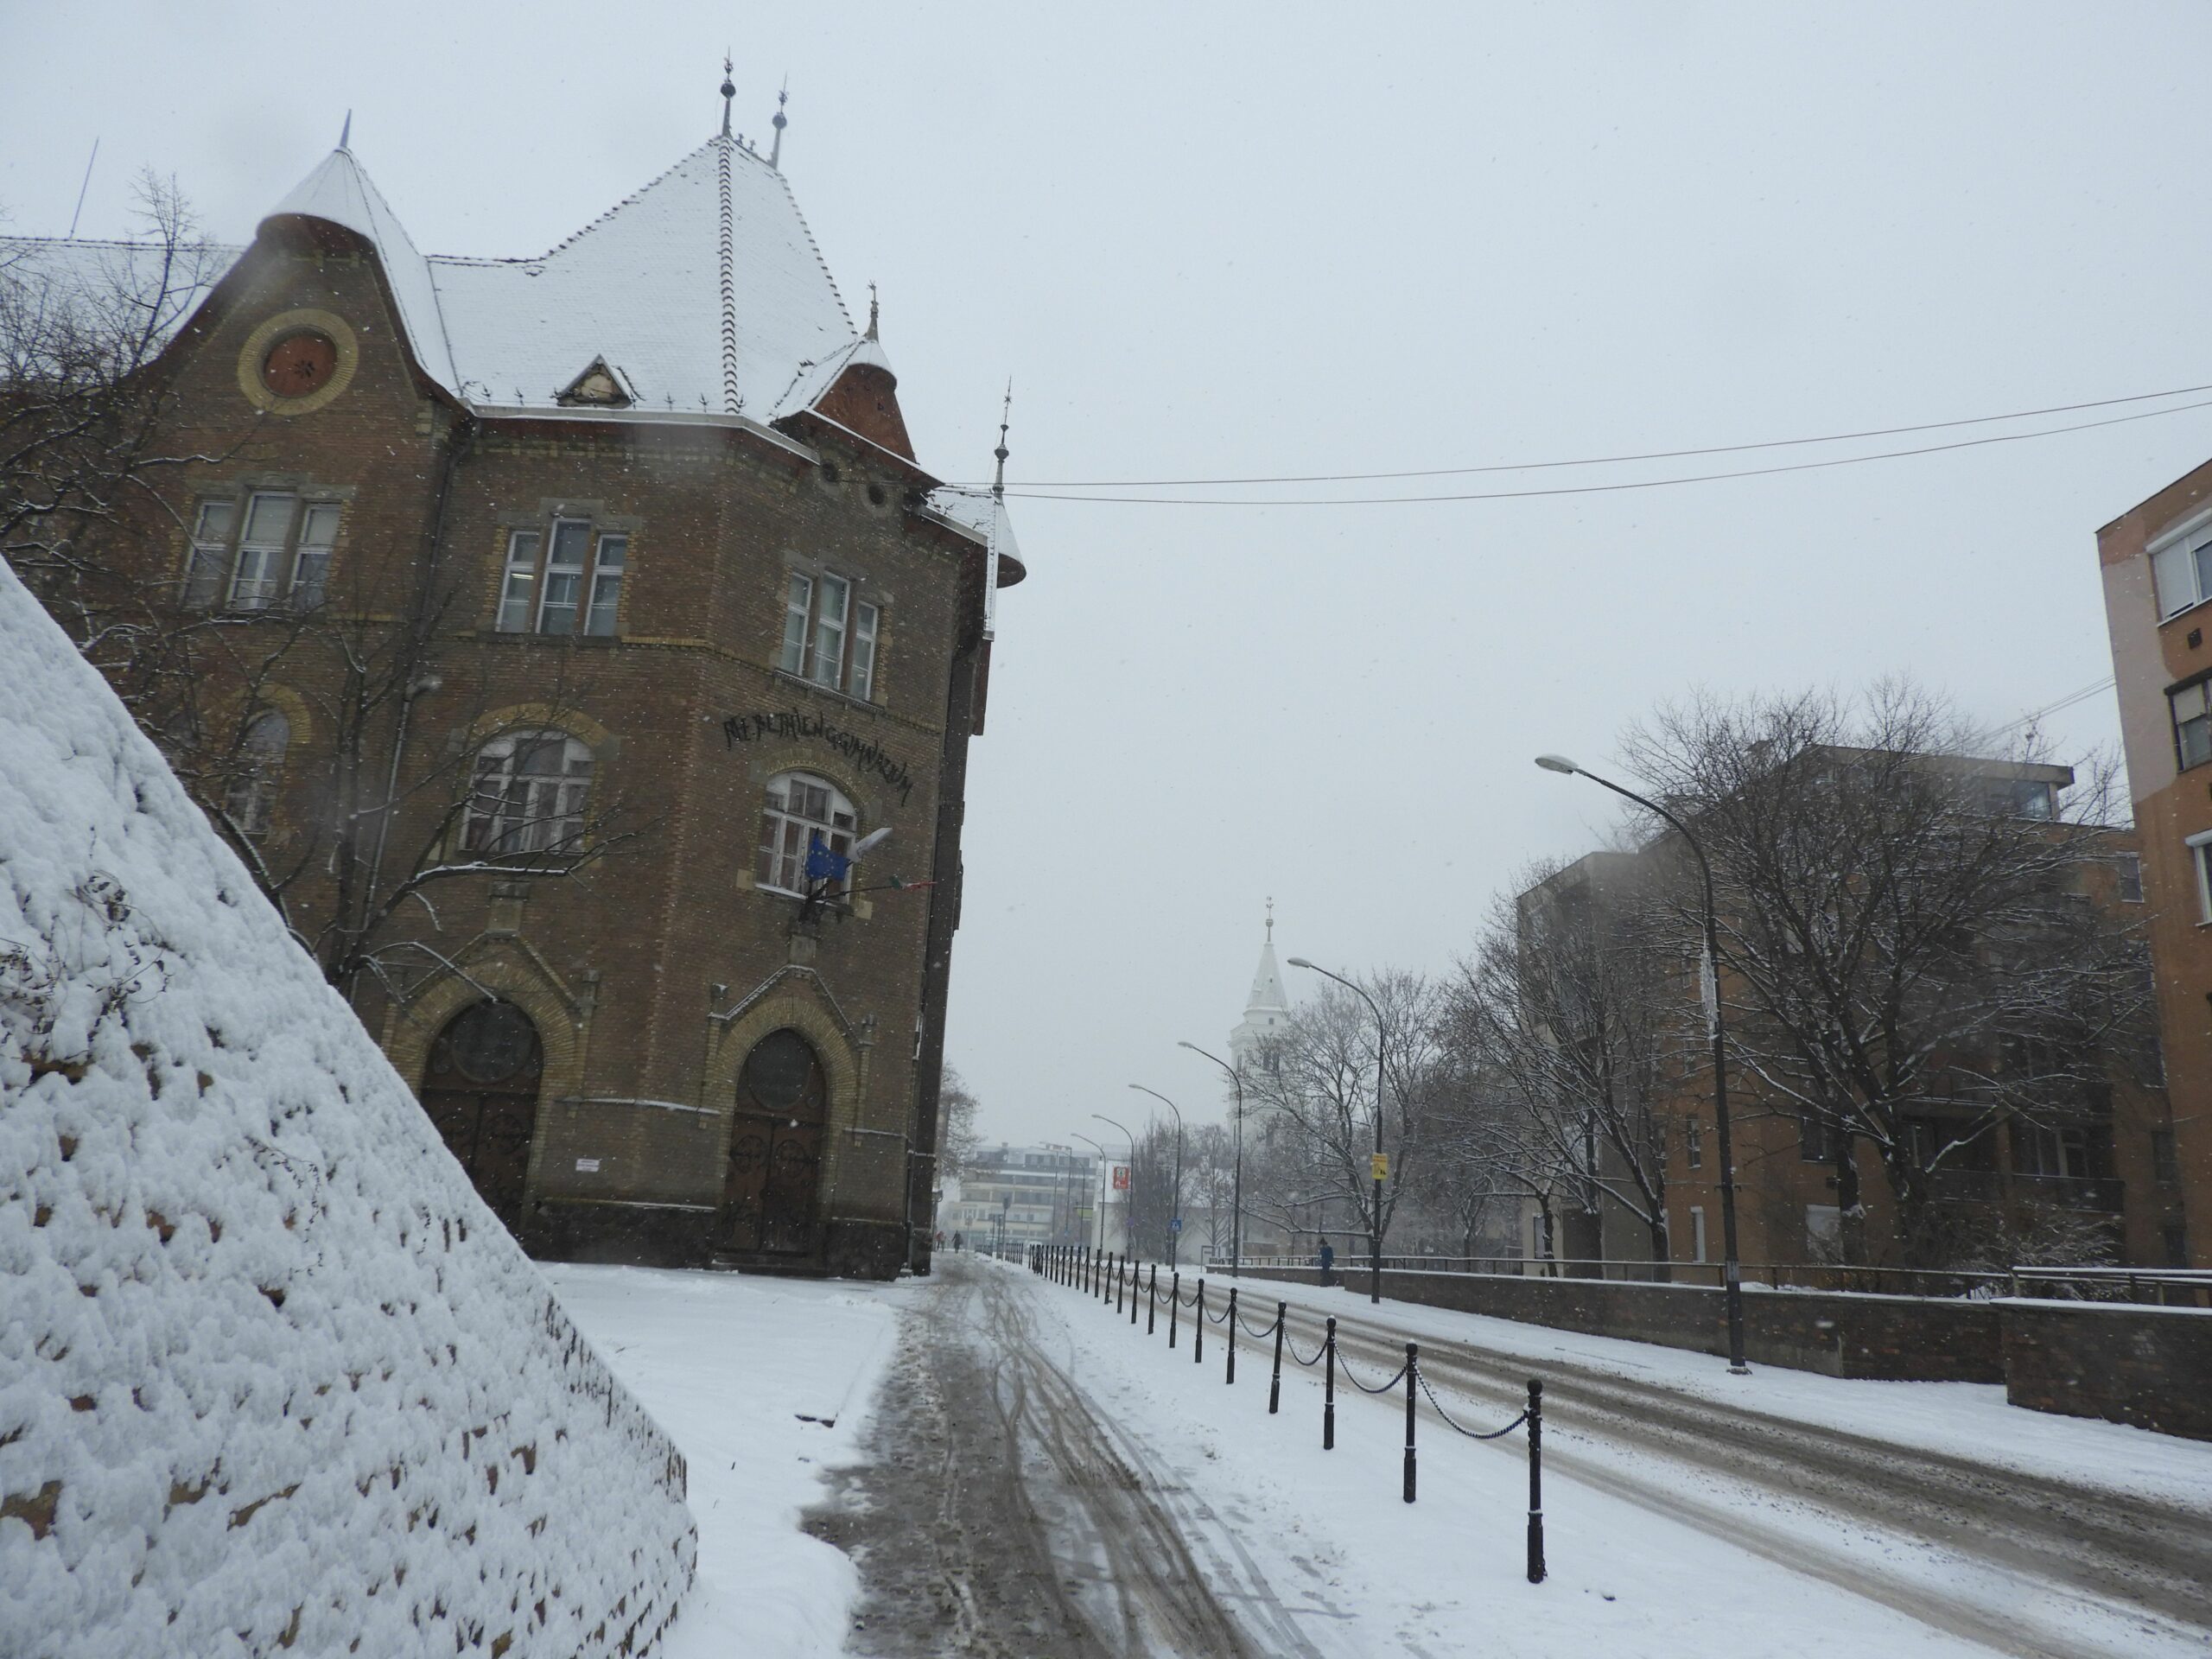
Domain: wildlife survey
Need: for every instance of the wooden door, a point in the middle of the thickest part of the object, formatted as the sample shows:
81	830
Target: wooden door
481	1089
771	1190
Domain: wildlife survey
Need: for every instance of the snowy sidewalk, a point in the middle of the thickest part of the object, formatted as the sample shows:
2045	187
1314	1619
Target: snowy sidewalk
764	1386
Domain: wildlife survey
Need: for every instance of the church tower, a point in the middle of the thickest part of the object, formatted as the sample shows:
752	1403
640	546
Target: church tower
1267	1010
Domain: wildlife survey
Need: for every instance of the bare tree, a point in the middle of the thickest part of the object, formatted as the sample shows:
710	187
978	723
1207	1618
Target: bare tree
1320	1092
1909	960
1563	1022
957	1137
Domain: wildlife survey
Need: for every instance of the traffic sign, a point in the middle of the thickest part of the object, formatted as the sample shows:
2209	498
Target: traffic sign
1380	1164
1175	1224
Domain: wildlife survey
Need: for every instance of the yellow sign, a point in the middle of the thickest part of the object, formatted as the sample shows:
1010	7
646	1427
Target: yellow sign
1379	1163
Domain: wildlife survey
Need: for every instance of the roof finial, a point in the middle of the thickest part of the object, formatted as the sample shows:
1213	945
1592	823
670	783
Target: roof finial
776	149
871	311
729	91
345	132
1006	414
1271	920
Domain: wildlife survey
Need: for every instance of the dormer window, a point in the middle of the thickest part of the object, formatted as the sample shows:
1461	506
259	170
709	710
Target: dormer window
598	386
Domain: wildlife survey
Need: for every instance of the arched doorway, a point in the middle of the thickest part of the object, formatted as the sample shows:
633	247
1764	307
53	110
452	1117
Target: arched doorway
480	1087
770	1190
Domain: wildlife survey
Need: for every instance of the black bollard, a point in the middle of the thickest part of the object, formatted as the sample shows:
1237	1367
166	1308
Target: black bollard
1136	1283
1152	1302
1231	1328
1121	1273
1535	1481
1413	1381
1198	1325
1174	1303
1275	1384
1328	1391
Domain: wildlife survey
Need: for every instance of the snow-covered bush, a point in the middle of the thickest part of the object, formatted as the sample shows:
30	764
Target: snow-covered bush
271	1375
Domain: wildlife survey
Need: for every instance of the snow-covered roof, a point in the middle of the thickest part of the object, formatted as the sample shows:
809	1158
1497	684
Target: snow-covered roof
272	1374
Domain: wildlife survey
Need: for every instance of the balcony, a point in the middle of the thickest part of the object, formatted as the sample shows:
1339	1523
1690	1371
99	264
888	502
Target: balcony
1967	1185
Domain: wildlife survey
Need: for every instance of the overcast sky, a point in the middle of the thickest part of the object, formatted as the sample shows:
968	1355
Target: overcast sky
1303	239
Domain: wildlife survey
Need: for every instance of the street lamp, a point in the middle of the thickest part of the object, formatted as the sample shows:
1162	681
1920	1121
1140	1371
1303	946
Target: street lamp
1102	1161
1709	987
1236	1193
1132	1190
1174	1234
1375	1231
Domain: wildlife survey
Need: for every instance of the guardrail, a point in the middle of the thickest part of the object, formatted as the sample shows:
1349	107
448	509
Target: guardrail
1121	1284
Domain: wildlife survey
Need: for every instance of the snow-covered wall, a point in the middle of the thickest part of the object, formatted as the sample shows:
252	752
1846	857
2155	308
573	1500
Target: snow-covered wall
271	1376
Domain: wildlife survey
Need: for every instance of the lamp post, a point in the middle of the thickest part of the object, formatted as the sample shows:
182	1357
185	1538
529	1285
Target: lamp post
1132	1140
1375	1231
1101	1151
1174	1234
1709	977
1236	1191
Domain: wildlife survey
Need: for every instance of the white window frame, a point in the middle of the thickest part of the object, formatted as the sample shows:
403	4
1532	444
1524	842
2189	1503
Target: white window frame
841	654
2181	568
2199	851
589	601
2128	873
779	864
253	793
537	810
1697	1232
2191	705
291	567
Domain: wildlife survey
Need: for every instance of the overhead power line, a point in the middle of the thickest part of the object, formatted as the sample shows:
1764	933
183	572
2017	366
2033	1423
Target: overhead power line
1609	461
1033	494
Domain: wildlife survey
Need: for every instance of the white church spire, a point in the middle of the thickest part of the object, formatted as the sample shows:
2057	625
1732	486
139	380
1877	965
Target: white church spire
1267	1010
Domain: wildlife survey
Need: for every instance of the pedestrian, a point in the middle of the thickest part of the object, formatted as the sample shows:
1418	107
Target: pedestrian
939	1241
959	1243
1328	1262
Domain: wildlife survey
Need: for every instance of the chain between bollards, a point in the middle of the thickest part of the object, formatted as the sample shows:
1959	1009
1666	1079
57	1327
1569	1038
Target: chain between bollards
1535	1481
1275	1383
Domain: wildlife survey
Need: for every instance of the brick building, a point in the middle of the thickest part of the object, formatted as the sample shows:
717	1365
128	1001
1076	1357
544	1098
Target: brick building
2093	1166
578	615
2157	564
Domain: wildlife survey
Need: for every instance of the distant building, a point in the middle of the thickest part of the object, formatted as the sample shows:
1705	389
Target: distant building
1030	1195
2156	563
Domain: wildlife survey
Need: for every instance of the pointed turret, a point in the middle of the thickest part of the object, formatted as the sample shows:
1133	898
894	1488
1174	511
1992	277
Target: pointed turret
1267	1010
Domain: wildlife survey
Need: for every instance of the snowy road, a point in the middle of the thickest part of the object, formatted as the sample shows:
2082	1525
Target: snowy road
1692	1459
1005	1514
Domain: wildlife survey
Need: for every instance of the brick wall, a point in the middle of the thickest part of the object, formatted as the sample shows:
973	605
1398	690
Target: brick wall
2148	1366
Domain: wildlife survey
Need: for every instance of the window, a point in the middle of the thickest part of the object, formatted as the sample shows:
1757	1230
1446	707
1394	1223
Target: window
829	636
528	794
2166	1167
2183	569
1693	1145
799	807
2192	727
2129	869
1697	1232
276	550
1816	1137
2198	846
261	757
1823	1232
568	584
2022	798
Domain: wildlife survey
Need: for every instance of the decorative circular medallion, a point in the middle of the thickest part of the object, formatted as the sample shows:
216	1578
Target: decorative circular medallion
300	364
297	361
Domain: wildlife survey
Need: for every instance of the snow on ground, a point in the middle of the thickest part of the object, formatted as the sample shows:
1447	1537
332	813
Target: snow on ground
1971	1419
765	1384
1446	1575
